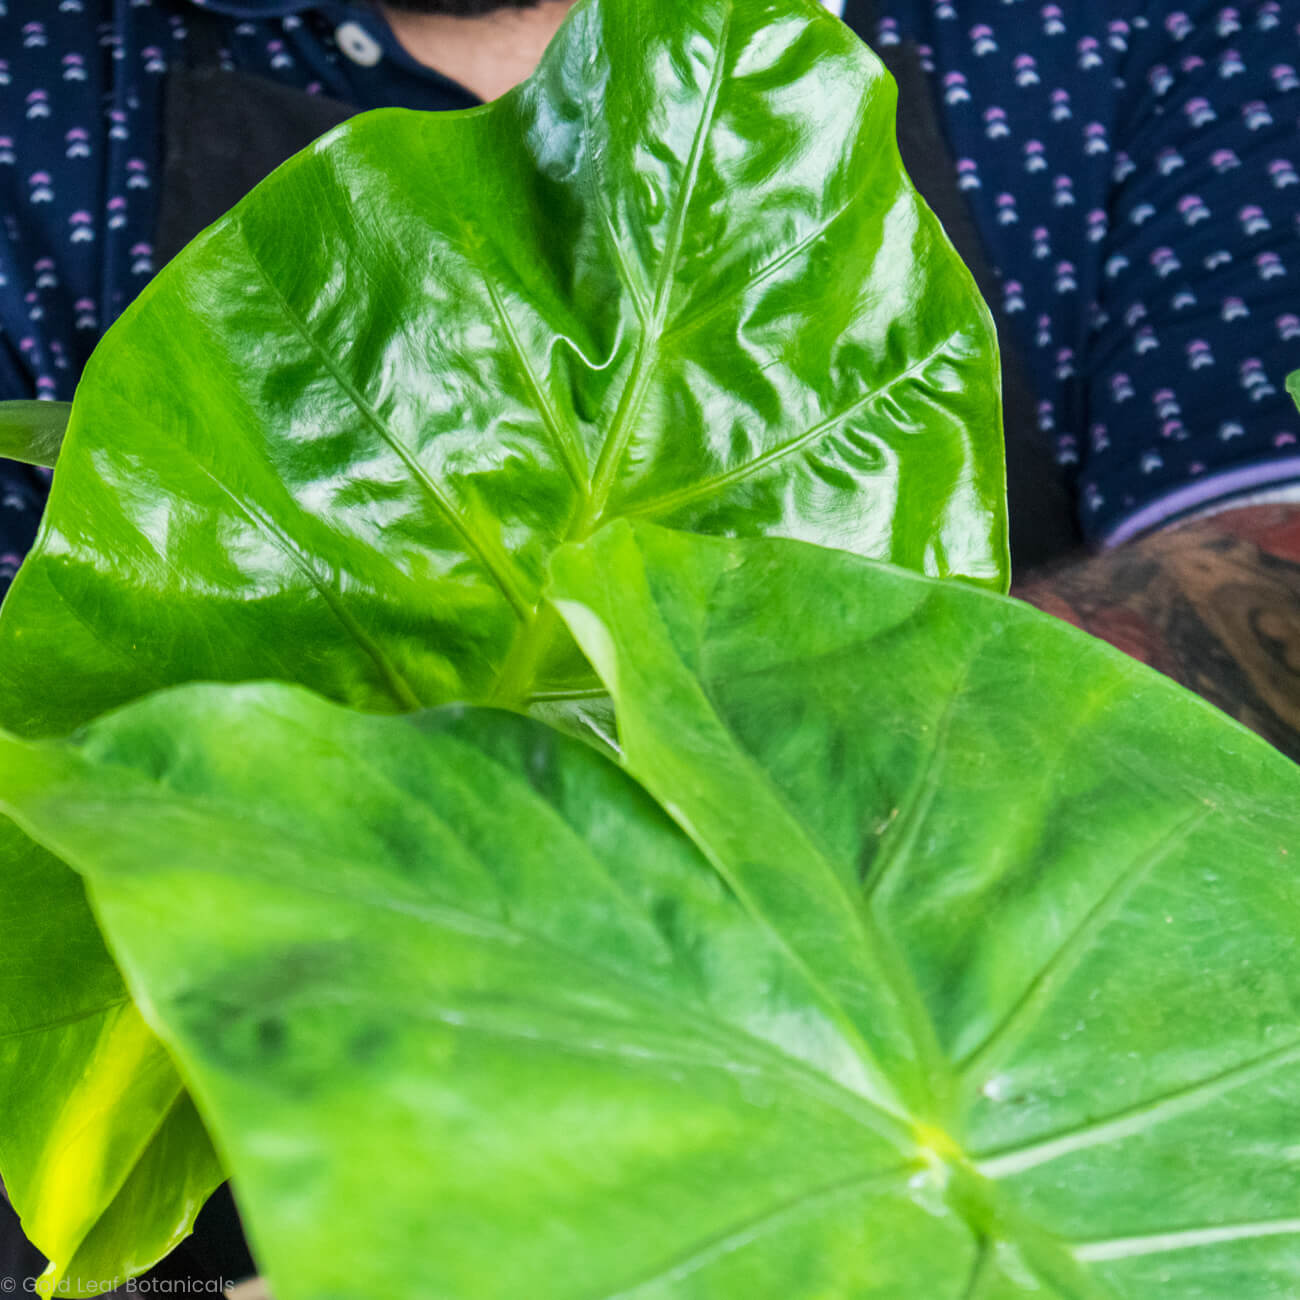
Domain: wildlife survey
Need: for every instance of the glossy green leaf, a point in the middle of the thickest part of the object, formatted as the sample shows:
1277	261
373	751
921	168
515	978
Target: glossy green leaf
103	1154
138	1222
932	999
680	275
33	431
1293	386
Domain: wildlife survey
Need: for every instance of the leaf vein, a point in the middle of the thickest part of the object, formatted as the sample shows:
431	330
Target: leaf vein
1163	1243
691	323
1022	1016
62	1022
507	932
494	561
759	1226
566	438
398	686
1136	1119
672	501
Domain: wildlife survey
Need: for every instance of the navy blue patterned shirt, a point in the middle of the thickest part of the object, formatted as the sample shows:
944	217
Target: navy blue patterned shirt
1134	171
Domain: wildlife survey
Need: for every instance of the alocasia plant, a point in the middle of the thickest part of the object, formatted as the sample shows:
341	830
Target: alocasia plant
678	276
914	996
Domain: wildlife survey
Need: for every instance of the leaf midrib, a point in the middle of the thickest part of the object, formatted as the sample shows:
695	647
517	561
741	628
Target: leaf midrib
125	1167
517	681
647	353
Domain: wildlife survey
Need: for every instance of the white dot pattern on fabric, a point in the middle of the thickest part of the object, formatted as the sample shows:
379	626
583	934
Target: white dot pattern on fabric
1134	169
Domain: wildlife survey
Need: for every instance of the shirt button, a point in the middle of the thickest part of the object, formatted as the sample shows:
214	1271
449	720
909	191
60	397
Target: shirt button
358	44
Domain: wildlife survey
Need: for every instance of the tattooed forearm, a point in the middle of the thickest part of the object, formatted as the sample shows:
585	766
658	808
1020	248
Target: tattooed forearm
1214	604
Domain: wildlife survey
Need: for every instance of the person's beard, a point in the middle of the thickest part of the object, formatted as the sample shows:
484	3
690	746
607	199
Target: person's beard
458	8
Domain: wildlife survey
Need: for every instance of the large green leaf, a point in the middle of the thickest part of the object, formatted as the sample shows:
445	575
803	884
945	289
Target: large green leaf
1080	881
680	275
949	998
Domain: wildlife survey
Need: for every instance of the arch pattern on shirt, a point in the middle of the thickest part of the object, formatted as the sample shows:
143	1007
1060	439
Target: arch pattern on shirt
1134	169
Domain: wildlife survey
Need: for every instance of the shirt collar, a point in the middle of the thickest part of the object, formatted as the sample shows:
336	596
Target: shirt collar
281	8
278	8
